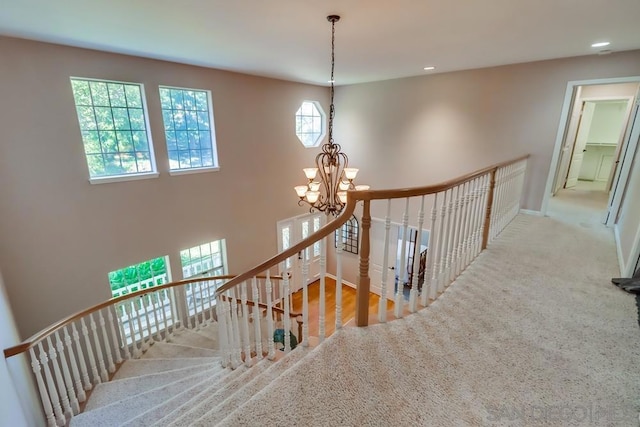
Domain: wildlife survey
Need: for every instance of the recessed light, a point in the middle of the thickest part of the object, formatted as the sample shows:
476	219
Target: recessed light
429	68
600	44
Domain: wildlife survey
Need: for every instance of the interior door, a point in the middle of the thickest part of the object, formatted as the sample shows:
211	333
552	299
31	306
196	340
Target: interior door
292	231
580	145
308	225
377	238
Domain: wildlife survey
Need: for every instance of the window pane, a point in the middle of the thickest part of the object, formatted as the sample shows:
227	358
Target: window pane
187	124
309	124
106	113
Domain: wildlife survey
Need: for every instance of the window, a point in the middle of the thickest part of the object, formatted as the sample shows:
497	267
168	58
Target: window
310	124
349	232
208	259
114	127
139	276
188	128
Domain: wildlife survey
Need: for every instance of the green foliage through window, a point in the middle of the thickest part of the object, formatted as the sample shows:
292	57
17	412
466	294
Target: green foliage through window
139	274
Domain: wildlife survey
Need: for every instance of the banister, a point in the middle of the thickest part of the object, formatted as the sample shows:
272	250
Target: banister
49	330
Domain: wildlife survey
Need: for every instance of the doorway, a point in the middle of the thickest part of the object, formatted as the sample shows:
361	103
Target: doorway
591	161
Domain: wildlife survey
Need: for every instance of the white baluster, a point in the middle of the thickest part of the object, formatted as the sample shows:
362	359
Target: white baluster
338	292
210	301
484	201
136	350
287	319
223	341
464	228
114	336
475	215
415	276
305	298
100	359
446	238
399	301
144	308
62	393
382	305
245	325
257	318
202	310
431	248
107	347
92	359
154	309
42	389
437	250
144	346
83	367
456	232
51	387
163	314
73	399
271	352
77	380
322	302
237	344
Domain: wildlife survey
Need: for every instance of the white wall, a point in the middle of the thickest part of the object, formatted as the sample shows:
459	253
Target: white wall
18	407
628	224
607	122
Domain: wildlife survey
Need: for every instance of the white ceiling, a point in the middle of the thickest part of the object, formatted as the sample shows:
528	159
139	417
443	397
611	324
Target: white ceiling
290	39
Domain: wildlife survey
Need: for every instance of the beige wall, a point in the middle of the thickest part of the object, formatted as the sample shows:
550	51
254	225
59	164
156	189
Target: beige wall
425	129
60	235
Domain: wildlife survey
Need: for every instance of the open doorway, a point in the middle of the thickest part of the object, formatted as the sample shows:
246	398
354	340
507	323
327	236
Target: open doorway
595	141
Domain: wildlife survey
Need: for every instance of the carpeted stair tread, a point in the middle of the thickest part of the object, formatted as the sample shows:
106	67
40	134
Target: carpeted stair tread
182	397
138	367
113	391
263	368
163	350
189	414
119	412
231	403
193	338
210	331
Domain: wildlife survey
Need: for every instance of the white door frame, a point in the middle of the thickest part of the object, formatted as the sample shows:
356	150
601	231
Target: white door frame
564	120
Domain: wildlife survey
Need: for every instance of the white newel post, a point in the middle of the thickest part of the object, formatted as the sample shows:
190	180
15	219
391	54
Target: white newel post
413	296
42	389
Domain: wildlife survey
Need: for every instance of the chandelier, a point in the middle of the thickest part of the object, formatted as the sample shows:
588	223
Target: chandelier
328	193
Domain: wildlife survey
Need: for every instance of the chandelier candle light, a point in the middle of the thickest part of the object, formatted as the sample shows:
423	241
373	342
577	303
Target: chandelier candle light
328	194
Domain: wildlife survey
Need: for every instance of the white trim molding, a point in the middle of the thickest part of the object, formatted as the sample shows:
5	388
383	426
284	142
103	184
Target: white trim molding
616	233
531	212
346	282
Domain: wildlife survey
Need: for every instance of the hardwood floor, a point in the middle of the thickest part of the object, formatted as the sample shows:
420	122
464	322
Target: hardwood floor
348	305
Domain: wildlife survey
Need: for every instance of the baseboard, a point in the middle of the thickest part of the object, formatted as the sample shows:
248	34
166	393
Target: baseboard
531	212
616	233
346	282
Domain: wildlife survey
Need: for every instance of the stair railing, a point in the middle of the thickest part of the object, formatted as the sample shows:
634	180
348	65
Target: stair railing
80	351
466	214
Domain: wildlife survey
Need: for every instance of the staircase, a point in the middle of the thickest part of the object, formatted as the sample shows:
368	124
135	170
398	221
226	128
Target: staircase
179	383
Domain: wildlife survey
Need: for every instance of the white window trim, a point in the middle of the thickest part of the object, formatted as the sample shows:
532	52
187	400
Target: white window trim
212	129
323	123
152	154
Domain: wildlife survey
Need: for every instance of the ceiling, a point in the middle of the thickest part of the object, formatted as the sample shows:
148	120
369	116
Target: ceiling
290	39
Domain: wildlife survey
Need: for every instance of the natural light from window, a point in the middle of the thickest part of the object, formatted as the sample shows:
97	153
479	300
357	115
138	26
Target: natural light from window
310	123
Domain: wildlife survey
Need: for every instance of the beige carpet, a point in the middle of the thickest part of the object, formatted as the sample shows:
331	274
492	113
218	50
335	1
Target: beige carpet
533	333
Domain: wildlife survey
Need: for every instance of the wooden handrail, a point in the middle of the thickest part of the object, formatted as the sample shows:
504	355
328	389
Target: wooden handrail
49	330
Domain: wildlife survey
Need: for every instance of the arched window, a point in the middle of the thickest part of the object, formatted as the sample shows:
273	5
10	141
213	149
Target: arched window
350	231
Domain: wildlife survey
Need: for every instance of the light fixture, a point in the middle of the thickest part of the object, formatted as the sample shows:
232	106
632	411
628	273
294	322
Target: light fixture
328	192
429	68
601	44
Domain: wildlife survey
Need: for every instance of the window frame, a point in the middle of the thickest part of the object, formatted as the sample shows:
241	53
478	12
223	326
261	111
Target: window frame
145	111
351	235
212	130
323	123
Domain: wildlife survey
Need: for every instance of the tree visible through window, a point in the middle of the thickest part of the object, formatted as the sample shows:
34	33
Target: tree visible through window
188	127
114	128
139	276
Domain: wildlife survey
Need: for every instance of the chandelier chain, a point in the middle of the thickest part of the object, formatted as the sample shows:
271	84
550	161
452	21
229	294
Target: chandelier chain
333	62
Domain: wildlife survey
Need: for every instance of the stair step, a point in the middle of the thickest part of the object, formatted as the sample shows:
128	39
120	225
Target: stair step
251	388
185	397
194	339
138	367
113	391
163	350
119	412
187	415
210	331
